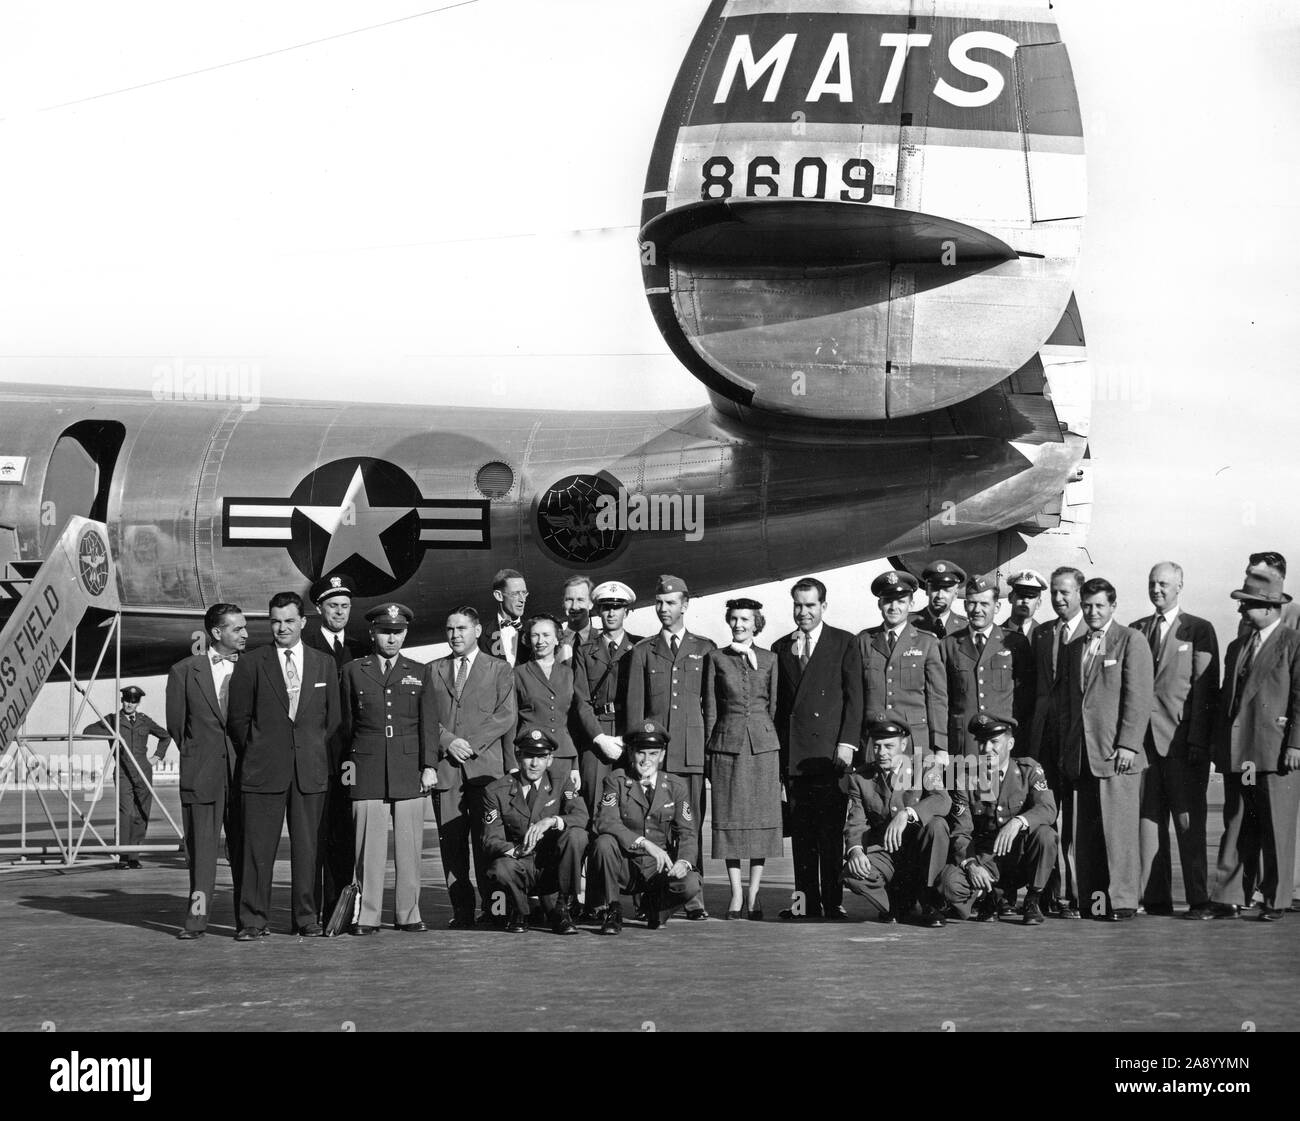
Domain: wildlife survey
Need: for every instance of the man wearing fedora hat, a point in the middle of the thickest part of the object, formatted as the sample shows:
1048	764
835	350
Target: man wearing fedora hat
1257	749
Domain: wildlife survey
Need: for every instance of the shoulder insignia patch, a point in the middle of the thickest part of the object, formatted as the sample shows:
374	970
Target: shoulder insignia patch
609	800
959	809
1041	784
686	810
490	816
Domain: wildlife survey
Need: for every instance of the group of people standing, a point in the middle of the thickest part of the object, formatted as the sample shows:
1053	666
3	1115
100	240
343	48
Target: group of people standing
932	761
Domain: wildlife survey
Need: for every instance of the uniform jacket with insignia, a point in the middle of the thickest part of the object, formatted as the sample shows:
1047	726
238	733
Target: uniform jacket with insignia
669	822
600	683
912	682
671	693
818	706
273	749
196	723
1268	721
506	817
874	800
739	703
1186	685
999	681
135	733
923	621
484	717
547	703
1110	705
1023	792
381	726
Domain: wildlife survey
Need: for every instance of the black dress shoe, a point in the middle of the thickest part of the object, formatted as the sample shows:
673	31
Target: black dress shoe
515	922
1120	914
932	917
311	930
755	914
1068	911
1270	914
189	935
133	863
836	914
562	917
1163	910
123	864
251	934
787	915
1032	915
360	931
613	922
591	914
736	914
412	927
461	920
1200	911
699	914
986	910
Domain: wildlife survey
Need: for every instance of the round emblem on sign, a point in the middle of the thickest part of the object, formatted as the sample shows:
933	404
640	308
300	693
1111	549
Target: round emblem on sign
92	561
575	525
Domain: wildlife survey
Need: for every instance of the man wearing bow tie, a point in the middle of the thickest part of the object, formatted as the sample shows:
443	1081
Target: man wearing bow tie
503	621
284	707
1109	689
1186	655
198	698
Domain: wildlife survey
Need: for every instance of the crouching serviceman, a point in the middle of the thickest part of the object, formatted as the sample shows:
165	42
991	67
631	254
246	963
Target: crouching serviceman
895	832
1003	838
647	840
535	835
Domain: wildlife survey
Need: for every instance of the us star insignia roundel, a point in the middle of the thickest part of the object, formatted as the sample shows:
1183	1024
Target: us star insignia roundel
360	517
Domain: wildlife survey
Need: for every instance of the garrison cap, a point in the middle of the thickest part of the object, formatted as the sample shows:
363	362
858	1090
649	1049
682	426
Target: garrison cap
330	586
646	734
390	617
1027	581
894	585
886	725
943	573
984	726
669	584
132	693
977	584
613	592
533	741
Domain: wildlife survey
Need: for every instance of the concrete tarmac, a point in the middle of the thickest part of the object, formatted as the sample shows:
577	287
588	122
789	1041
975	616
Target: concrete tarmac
93	948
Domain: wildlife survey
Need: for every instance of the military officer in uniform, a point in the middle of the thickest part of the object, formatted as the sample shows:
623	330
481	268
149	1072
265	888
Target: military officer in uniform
646	834
134	775
895	831
535	835
988	669
665	685
941	581
600	671
332	596
1025	593
381	695
1005	837
902	670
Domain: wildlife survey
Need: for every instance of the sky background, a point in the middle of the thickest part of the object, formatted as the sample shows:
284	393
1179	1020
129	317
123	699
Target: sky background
443	210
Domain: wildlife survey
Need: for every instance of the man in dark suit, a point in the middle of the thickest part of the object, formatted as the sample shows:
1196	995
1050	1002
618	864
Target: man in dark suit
502	624
600	679
382	698
535	835
1025	593
1110	692
665	683
1049	645
1186	654
134	768
647	837
901	669
1257	749
332	596
198	696
940	581
818	720
284	707
896	830
467	721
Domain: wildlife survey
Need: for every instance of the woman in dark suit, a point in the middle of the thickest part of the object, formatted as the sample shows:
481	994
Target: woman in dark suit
743	753
545	694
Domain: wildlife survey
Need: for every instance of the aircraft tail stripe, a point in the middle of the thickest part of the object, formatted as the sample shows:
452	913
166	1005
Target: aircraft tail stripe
435	514
470	536
281	511
236	534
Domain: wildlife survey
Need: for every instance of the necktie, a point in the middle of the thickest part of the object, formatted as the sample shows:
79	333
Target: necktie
672	645
613	649
532	798
649	789
462	671
294	682
892	639
805	654
1243	674
980	639
1058	650
1090	656
388	666
1157	635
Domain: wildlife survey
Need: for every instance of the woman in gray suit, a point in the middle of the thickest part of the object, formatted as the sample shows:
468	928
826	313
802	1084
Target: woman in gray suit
743	754
544	694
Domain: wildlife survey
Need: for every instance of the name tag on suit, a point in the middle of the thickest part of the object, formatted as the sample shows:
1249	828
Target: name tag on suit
319	685
1110	662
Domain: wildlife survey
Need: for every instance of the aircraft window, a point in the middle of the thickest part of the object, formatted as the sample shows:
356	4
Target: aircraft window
494	480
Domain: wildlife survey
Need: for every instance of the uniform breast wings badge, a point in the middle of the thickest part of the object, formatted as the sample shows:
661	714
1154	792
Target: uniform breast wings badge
912	653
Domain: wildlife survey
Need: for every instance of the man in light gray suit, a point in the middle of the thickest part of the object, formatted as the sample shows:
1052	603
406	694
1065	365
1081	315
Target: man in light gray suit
1110	693
467	716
